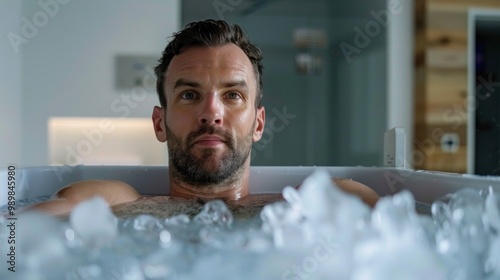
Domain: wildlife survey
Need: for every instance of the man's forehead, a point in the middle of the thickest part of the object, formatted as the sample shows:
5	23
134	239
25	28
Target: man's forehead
228	60
224	55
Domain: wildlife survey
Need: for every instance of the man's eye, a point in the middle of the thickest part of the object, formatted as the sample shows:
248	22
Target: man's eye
188	95
233	95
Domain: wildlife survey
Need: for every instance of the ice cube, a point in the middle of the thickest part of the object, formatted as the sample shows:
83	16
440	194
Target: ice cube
93	221
280	214
324	202
494	256
214	212
164	264
291	195
282	220
146	222
466	206
441	212
492	211
318	195
118	266
41	241
394	214
329	211
181	219
404	259
462	237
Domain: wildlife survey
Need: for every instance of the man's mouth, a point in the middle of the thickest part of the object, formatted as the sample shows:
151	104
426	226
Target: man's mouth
209	140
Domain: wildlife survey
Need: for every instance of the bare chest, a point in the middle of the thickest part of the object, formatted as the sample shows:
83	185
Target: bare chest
167	206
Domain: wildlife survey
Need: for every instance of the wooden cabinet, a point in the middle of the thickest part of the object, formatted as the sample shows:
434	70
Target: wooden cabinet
441	98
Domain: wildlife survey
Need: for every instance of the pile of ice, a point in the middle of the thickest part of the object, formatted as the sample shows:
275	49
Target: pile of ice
318	232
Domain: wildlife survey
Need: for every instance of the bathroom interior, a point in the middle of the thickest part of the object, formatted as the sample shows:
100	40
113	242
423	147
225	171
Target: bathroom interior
89	63
337	76
77	85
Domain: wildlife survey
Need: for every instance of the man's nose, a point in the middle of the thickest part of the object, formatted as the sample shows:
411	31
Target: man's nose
212	111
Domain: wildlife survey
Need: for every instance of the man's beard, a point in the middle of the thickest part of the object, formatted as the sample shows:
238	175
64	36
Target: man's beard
202	170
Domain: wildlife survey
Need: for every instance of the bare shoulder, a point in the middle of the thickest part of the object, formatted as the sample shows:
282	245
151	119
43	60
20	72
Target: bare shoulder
368	195
114	192
64	200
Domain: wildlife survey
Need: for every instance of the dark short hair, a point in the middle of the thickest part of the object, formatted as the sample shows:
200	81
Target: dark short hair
209	33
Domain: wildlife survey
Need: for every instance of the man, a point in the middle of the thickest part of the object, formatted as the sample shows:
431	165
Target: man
210	90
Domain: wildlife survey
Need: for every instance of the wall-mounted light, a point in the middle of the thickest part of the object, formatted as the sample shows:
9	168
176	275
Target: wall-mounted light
307	40
307	64
104	141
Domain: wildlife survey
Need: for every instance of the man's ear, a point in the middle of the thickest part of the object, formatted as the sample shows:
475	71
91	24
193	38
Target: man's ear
260	122
159	123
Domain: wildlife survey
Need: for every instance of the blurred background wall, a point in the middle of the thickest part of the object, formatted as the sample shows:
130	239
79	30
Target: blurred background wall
337	75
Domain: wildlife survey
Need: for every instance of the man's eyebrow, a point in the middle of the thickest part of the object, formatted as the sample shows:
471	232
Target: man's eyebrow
183	82
238	83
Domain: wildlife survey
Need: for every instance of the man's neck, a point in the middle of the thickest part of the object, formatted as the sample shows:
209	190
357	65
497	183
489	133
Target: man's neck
232	189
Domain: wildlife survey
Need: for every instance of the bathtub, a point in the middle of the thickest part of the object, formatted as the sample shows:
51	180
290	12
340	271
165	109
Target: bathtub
33	182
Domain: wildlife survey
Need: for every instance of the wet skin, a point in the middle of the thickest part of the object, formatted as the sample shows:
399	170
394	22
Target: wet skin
209	122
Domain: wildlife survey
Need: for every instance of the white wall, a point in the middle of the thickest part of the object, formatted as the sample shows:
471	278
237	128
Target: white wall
400	70
10	86
68	66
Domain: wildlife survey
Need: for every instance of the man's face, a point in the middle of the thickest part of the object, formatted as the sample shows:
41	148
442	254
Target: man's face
210	119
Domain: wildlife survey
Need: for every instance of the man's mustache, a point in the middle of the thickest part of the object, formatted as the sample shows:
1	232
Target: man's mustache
211	130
